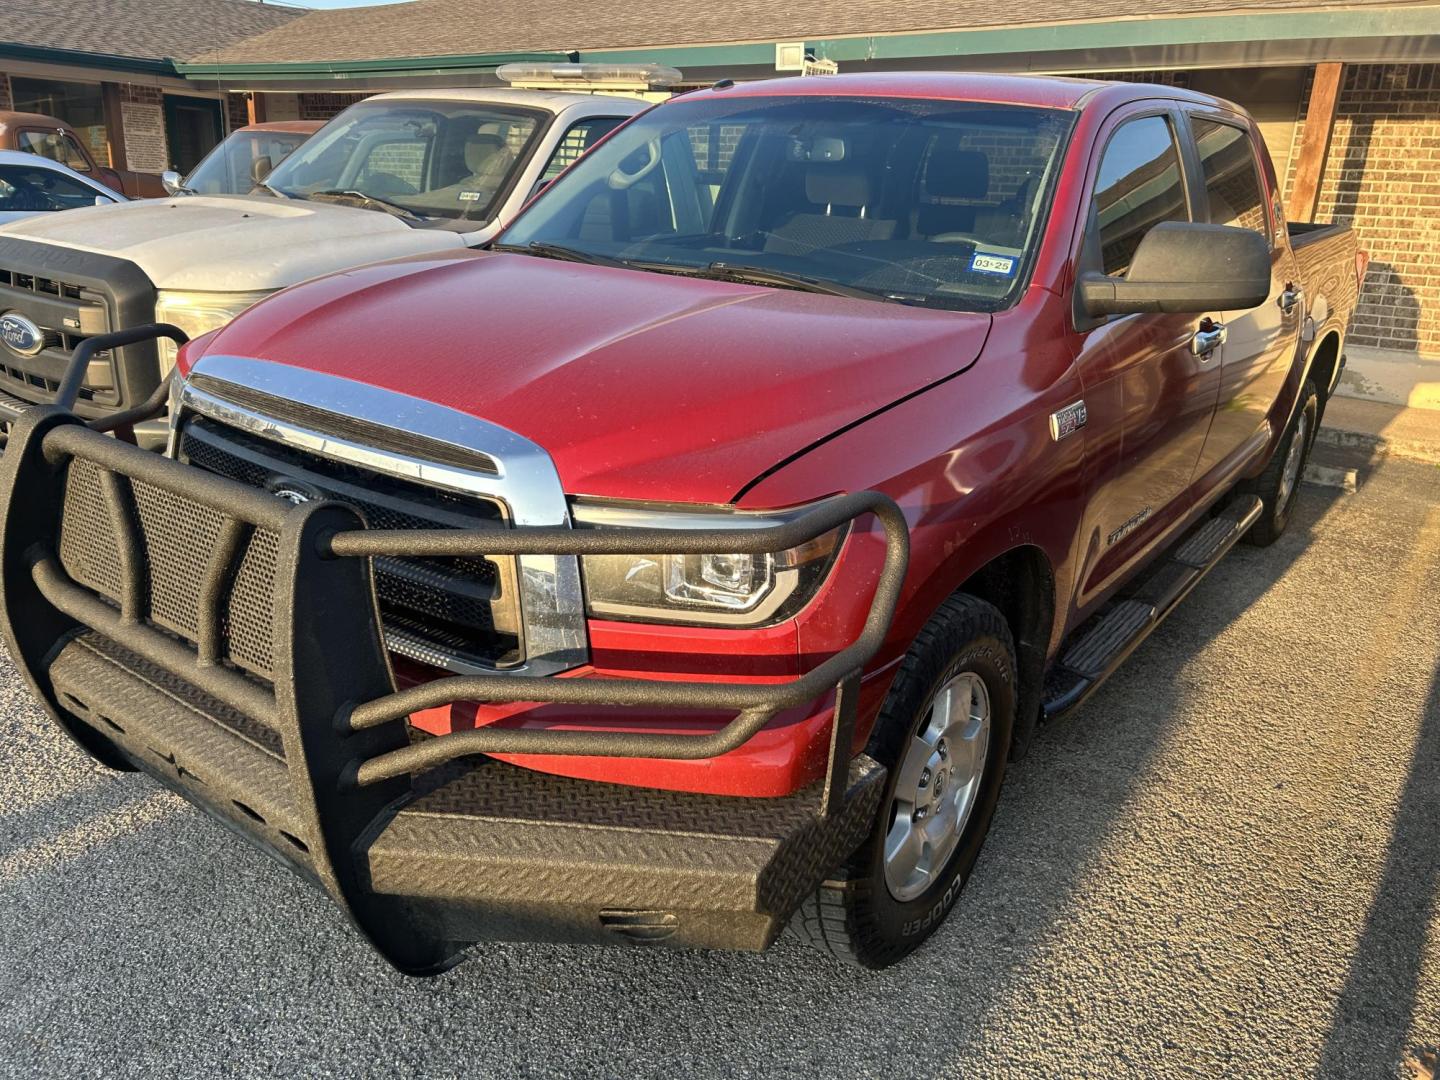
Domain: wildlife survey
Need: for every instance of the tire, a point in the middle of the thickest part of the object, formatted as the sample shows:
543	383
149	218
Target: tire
1278	485
873	913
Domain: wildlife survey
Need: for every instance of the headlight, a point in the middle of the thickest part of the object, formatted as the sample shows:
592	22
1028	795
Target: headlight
197	313
717	589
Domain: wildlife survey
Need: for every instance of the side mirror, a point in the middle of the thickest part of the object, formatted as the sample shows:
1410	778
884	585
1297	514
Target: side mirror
173	182
260	168
1185	266
104	200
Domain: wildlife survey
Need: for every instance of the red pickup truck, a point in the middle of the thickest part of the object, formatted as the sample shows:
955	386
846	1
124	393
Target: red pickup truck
35	133
693	564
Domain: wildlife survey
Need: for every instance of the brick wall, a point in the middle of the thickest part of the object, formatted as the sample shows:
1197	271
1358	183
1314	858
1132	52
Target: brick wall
237	110
144	95
324	106
1383	177
7	99
1179	79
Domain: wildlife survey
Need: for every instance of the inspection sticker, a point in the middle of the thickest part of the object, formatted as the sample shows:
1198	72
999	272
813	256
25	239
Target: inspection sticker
469	196
987	263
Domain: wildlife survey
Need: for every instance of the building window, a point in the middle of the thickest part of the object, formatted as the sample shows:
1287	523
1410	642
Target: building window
1232	186
78	104
1140	185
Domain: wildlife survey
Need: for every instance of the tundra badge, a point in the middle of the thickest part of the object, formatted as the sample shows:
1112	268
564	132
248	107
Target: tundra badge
1068	420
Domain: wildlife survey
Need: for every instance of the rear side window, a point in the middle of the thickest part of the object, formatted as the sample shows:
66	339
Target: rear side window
579	138
1232	184
1139	186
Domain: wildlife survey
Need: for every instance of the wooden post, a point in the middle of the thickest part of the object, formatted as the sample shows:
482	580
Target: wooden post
1315	142
114	124
254	108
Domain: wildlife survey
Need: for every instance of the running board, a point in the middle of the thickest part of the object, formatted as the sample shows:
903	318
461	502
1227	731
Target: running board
1093	657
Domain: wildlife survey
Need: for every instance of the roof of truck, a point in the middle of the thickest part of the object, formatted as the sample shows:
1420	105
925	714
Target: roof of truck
1047	91
299	127
30	119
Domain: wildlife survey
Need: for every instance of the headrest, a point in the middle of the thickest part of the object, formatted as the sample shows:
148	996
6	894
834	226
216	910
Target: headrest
479	148
837	185
957	174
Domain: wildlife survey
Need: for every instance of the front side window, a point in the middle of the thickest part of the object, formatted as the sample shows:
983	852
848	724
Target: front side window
53	145
1232	184
938	203
1140	184
29	190
427	161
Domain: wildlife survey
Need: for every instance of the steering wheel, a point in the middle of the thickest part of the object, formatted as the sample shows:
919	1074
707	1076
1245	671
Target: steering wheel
620	180
384	183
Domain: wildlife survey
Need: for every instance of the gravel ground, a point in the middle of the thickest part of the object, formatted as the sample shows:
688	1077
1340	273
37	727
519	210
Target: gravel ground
1226	864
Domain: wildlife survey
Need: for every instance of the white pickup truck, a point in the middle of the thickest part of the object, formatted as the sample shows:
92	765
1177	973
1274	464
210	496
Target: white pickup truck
397	174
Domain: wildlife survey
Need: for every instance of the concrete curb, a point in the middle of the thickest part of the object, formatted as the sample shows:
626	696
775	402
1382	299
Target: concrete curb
1379	445
1393	378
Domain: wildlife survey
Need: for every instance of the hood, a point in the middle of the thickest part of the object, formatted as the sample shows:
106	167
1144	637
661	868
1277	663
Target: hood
234	243
639	385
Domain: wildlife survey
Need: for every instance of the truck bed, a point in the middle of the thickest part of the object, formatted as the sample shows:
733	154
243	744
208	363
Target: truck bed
1325	255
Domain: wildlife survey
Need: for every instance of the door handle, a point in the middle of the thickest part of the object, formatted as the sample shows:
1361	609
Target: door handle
1290	297
1209	337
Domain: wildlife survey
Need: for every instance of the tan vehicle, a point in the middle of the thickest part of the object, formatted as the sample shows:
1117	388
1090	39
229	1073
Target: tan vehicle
246	157
50	137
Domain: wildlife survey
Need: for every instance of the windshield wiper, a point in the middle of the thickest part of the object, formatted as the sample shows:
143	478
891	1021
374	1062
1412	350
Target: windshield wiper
367	200
763	275
546	250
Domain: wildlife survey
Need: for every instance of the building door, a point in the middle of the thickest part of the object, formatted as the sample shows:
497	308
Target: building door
193	127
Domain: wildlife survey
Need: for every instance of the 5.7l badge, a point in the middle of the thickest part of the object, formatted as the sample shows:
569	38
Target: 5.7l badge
1068	420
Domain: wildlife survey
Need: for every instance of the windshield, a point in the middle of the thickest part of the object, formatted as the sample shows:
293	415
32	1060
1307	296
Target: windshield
55	145
443	161
24	188
242	161
930	202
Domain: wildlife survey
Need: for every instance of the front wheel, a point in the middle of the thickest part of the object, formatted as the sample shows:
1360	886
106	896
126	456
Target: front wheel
944	735
1277	485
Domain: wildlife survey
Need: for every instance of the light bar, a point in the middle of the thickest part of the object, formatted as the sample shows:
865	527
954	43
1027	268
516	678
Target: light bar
645	74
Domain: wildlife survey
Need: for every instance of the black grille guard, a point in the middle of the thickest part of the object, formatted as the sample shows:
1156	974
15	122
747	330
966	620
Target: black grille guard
347	750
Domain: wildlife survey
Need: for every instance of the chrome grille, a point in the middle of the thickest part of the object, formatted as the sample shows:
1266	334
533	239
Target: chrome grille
458	613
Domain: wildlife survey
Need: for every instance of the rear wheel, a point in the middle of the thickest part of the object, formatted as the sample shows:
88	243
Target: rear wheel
1278	484
944	735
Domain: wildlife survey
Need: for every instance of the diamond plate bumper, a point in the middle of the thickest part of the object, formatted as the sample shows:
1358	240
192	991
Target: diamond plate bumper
427	844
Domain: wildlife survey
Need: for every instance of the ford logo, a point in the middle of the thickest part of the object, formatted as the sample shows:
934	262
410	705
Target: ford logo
21	335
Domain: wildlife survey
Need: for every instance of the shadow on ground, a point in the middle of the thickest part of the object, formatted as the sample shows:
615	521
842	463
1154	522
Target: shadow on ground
173	948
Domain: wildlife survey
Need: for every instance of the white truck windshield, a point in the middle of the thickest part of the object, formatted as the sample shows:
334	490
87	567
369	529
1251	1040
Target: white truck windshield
930	202
423	160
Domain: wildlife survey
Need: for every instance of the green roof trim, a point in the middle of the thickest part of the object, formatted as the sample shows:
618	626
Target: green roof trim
389	67
76	58
1060	37
1140	33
